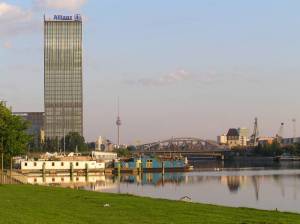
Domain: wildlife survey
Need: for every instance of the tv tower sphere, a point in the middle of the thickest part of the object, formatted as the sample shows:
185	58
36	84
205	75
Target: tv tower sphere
118	122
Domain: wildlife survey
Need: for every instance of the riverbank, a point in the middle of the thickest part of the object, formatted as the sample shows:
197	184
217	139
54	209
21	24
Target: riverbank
37	204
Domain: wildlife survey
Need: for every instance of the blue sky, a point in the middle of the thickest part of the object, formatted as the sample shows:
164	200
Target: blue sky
180	68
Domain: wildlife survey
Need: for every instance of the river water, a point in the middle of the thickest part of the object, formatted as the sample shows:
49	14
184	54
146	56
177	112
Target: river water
272	186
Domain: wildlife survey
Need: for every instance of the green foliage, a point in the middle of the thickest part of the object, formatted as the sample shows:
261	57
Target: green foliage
50	145
74	140
37	204
131	148
275	149
268	149
123	152
13	136
91	146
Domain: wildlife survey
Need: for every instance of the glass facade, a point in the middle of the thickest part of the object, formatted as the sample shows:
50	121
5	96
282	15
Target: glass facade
63	78
36	124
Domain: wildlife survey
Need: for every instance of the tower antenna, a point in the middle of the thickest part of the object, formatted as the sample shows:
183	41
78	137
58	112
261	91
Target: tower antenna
254	136
118	123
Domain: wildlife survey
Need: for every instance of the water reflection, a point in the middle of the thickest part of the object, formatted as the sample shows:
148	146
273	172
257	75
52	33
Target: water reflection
89	182
265	189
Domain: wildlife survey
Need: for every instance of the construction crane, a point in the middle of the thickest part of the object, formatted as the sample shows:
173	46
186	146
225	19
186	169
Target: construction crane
254	136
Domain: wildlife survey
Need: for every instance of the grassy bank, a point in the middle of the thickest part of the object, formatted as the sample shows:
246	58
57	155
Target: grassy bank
36	204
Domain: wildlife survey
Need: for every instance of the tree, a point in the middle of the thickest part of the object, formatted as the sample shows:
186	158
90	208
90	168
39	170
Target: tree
131	148
123	152
50	145
13	136
91	146
74	140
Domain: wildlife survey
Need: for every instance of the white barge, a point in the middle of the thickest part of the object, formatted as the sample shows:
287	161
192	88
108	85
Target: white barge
51	166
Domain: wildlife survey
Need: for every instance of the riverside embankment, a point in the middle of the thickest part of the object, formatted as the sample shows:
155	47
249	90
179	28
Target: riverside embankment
38	204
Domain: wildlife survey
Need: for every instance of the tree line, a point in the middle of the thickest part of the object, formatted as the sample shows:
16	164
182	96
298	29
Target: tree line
72	142
13	137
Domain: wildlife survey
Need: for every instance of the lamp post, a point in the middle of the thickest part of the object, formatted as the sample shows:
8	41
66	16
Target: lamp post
2	150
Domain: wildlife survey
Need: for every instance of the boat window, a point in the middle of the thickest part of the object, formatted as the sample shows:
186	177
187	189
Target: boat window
34	163
25	164
77	178
53	164
62	163
76	163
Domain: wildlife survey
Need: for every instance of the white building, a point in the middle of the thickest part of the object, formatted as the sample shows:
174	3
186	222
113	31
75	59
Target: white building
104	156
222	139
244	136
103	144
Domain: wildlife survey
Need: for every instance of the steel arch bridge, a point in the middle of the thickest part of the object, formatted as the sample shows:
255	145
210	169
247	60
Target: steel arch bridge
181	144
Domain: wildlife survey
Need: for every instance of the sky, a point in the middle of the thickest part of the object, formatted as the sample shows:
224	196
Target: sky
190	68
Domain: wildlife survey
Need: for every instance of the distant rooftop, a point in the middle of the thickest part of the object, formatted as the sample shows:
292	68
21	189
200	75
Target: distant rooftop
232	132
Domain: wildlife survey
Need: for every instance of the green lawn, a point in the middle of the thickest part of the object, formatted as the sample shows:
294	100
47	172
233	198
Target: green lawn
36	204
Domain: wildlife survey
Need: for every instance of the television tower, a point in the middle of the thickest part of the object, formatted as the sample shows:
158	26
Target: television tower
118	123
255	135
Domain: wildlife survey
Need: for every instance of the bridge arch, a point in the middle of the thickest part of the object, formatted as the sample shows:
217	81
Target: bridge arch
181	144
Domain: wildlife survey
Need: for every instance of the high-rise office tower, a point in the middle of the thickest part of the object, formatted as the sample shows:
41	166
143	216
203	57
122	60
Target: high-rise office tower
63	76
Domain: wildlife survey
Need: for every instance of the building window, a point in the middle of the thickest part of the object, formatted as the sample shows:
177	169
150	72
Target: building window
35	180
62	163
53	164
34	163
53	179
25	164
62	179
77	164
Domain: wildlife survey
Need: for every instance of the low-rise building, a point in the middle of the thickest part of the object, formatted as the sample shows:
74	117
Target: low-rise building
290	141
265	140
222	139
244	136
104	156
103	144
233	138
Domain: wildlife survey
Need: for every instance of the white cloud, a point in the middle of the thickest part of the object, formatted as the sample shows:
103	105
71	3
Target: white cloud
204	78
7	45
14	19
11	13
70	5
171	78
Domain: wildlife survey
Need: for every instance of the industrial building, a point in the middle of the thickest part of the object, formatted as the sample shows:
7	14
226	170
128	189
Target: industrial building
290	141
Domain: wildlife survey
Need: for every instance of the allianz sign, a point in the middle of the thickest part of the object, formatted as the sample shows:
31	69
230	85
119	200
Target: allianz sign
76	17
